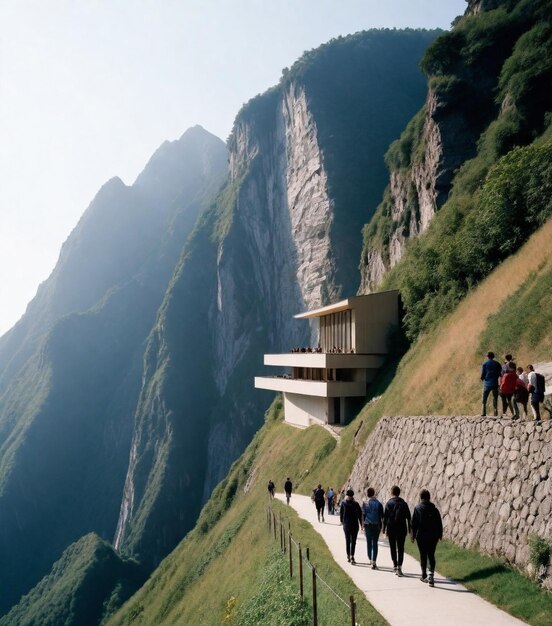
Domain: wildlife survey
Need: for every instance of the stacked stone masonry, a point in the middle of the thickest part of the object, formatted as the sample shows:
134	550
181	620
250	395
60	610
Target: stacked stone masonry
490	478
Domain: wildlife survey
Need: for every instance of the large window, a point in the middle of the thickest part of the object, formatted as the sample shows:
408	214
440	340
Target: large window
336	331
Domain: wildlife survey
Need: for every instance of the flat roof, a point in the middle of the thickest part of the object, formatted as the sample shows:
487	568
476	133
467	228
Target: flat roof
342	305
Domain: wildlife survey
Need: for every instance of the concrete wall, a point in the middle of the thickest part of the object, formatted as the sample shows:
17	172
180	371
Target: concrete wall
374	316
300	410
491	479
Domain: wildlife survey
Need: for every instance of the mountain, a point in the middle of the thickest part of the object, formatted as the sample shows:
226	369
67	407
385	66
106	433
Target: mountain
71	368
82	588
306	170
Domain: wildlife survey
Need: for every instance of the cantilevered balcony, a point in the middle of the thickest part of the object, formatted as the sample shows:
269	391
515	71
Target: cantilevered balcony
322	389
325	360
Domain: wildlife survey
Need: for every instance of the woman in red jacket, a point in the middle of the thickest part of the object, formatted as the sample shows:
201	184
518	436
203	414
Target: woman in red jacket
508	384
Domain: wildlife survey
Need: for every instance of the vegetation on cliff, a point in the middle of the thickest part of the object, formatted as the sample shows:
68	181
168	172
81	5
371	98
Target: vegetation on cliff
495	70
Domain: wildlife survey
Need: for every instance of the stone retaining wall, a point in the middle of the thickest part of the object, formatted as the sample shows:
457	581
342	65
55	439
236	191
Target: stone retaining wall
491	479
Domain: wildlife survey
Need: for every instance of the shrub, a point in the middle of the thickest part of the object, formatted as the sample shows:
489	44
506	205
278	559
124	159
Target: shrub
540	552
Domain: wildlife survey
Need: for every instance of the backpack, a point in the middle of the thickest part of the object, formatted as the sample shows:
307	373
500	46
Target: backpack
540	387
371	510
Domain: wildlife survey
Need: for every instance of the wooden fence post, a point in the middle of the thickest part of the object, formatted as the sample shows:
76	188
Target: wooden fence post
314	603
353	611
290	556
300	571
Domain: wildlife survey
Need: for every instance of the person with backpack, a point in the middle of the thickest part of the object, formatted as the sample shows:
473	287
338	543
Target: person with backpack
319	501
396	525
271	488
427	530
372	511
491	371
350	516
536	389
288	488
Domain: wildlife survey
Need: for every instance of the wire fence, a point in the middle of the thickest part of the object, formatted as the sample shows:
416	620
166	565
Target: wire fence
328	606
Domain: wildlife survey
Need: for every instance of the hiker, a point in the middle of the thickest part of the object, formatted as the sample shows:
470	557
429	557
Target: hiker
271	488
536	391
372	511
396	525
508	384
350	517
319	501
521	395
288	487
508	358
427	530
490	373
330	499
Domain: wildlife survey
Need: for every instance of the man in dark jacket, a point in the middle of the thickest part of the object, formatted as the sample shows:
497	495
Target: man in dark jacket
427	530
288	486
350	516
396	525
319	496
491	371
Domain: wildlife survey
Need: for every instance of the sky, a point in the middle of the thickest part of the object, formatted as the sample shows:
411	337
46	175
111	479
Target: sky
90	88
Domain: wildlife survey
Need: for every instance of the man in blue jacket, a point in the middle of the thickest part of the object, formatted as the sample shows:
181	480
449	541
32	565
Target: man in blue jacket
491	371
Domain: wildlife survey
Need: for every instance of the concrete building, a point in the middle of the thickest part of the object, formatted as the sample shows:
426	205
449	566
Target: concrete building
328	383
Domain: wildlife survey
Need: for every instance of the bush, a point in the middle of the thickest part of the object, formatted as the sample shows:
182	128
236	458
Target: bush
540	552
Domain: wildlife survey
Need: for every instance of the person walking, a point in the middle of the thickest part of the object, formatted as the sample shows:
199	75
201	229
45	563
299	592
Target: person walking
330	500
319	501
427	530
490	373
271	488
536	391
350	517
288	488
508	384
396	525
372	511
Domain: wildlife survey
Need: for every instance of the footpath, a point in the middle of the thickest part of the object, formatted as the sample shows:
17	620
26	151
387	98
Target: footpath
403	601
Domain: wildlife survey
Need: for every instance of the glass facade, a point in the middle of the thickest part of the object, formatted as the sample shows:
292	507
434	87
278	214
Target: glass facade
336	332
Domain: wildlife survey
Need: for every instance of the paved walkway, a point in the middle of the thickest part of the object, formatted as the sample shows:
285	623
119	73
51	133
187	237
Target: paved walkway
404	600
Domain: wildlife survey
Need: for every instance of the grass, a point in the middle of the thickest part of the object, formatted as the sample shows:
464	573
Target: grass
199	582
494	580
499	315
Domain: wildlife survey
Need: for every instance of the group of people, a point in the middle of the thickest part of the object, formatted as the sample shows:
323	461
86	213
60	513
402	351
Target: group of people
318	350
424	526
395	521
516	387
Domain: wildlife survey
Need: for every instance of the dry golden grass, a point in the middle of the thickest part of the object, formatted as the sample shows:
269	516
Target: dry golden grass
440	374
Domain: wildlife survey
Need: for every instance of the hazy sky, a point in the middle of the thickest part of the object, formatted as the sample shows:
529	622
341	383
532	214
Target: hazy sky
90	88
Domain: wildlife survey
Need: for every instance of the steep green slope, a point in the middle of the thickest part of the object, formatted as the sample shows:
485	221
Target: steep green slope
84	586
494	71
230	552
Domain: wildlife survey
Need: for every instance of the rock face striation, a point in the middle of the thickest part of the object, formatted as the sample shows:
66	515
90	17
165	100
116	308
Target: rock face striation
491	479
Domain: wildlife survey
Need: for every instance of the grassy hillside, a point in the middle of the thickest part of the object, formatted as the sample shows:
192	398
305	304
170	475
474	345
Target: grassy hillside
510	312
230	554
